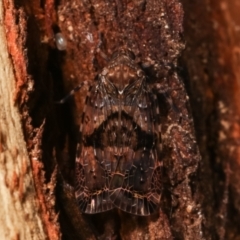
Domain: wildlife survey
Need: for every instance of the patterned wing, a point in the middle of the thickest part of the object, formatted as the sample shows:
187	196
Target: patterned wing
134	153
92	174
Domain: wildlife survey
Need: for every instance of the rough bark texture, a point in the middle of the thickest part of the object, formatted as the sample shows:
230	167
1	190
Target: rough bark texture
201	197
27	202
212	59
20	216
152	30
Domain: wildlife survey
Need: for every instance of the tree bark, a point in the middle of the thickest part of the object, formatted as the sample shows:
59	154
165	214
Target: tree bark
212	61
38	138
20	216
25	213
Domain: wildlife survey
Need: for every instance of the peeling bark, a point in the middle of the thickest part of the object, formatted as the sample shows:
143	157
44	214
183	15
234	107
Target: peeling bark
20	216
26	210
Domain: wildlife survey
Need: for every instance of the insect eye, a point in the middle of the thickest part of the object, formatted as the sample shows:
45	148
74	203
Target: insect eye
61	42
140	73
131	54
115	54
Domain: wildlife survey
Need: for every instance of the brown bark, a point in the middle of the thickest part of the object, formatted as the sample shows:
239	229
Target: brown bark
152	31
20	216
25	199
212	60
201	200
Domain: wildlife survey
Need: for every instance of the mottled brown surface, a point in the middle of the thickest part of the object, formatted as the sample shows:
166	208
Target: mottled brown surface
197	203
212	60
152	30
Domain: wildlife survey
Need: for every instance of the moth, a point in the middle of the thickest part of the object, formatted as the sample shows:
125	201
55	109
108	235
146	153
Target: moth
118	162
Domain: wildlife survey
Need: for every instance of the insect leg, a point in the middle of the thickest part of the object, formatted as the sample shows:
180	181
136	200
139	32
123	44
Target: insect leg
99	51
165	93
72	92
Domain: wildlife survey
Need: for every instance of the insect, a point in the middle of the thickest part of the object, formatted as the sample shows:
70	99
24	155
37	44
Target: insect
118	156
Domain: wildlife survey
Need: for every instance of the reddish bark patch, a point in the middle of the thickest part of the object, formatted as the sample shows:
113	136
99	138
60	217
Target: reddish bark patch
15	25
28	60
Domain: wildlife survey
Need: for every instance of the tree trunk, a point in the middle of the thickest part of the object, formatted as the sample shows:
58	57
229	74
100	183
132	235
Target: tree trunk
23	207
212	61
200	197
20	210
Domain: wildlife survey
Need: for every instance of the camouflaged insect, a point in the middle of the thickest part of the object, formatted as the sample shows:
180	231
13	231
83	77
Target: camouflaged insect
118	163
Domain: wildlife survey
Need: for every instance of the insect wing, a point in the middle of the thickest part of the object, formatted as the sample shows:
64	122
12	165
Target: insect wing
92	174
134	136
